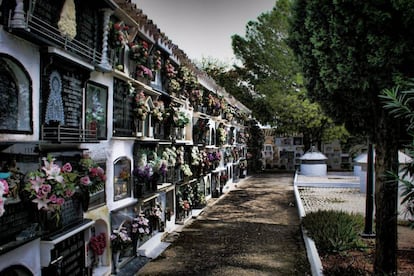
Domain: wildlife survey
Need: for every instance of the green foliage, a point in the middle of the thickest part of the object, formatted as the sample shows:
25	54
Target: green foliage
399	103
269	81
334	231
349	52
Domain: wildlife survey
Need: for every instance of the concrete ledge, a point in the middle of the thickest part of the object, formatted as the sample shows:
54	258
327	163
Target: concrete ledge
150	245
328	185
311	251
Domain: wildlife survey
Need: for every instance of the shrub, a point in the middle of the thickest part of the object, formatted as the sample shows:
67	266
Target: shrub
334	231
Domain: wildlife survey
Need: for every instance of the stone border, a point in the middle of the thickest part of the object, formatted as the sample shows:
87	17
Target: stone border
311	251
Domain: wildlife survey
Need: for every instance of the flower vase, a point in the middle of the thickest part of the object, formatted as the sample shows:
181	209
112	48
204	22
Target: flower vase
138	127
135	245
99	264
85	198
116	257
49	221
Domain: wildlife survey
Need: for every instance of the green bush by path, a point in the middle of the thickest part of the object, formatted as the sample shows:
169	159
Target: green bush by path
334	231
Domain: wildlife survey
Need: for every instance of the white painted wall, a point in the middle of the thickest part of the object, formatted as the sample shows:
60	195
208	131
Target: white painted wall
27	255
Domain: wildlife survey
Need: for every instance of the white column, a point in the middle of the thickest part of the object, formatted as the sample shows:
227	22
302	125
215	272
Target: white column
104	65
18	21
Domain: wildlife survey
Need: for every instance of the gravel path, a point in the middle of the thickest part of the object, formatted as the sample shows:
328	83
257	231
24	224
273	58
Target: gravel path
252	230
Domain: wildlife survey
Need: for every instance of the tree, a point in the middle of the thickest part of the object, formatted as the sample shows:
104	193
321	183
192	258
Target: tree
233	83
264	51
349	52
269	81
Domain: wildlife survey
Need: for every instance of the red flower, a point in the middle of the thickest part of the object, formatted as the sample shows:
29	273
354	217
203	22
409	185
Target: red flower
117	26
98	243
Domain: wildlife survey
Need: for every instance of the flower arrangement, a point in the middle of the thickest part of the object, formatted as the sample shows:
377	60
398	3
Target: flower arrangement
144	72
144	170
186	197
186	170
143	173
140	226
241	138
156	60
180	119
221	135
196	97
94	176
120	239
213	103
159	166
140	107
50	186
199	129
217	106
188	77
159	113
67	21
96	112
243	164
214	158
170	155
196	156
139	51
156	211
211	100
98	243
119	34
170	69
206	163
124	174
4	190
223	178
180	156
235	154
174	86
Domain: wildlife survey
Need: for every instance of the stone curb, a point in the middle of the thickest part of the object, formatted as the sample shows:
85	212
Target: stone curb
311	251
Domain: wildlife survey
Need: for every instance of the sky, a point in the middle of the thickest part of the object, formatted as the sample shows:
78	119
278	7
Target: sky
203	28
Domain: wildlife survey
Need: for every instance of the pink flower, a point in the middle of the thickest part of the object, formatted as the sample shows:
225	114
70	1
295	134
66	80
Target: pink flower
60	201
53	172
37	182
69	193
46	188
93	172
1	206
4	187
53	198
85	180
67	167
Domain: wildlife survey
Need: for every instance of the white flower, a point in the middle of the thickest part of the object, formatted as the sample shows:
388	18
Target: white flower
67	21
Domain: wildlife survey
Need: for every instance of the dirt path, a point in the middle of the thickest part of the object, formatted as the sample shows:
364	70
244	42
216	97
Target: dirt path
253	230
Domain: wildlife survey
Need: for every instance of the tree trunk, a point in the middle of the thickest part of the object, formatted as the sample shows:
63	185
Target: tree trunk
386	193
